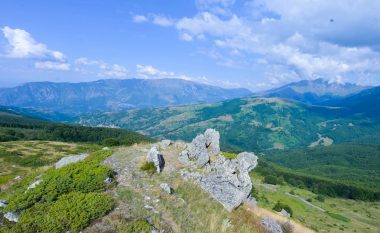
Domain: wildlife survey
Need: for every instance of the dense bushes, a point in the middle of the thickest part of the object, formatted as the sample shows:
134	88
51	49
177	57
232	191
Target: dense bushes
319	185
281	206
67	199
71	212
17	127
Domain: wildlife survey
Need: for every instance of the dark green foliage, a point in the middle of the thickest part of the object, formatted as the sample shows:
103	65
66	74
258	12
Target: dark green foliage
280	206
85	176
111	142
71	212
149	168
68	199
137	226
317	184
19	127
353	164
271	180
320	198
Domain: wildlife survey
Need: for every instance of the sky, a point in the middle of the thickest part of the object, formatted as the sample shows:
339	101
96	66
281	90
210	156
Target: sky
256	44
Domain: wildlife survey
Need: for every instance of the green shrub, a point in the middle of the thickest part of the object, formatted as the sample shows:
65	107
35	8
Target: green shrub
111	142
320	198
136	226
85	176
271	180
229	155
280	206
71	212
149	167
338	217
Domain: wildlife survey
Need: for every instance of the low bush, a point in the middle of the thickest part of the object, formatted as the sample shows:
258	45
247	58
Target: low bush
71	212
271	180
280	206
136	226
229	155
320	198
149	168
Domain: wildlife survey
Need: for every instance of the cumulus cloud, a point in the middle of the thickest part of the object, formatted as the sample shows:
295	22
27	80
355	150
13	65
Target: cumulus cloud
50	65
306	39
162	20
22	45
148	71
114	70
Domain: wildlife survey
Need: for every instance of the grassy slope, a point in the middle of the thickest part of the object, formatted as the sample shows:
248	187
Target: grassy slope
341	215
254	124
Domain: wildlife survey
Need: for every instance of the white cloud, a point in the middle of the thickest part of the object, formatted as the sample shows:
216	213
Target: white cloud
114	70
162	20
140	19
50	65
22	45
148	71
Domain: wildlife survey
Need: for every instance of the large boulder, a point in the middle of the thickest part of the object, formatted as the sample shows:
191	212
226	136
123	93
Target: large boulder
155	157
228	180
201	148
11	217
70	159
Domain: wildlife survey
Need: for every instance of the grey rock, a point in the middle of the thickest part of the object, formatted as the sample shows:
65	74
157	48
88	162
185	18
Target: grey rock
108	180
11	217
271	226
228	180
70	159
198	151
155	157
166	188
35	184
3	203
164	144
105	148
212	138
285	213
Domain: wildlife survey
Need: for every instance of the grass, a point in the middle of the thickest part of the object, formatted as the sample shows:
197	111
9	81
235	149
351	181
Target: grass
229	155
341	215
21	158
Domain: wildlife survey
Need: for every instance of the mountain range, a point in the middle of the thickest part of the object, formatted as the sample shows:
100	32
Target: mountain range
318	91
112	95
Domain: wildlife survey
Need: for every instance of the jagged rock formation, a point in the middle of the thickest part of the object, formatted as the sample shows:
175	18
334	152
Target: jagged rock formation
271	226
155	157
70	159
227	180
201	148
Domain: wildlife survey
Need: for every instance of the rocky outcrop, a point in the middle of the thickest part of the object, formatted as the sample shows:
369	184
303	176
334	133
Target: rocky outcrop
165	187
201	148
271	226
70	159
155	157
11	217
227	180
3	203
164	144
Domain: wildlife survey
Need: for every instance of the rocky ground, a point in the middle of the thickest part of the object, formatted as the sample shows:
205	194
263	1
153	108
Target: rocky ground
185	208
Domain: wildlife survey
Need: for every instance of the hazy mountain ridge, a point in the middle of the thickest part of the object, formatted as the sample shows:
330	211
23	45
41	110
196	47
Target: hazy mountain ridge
105	95
316	91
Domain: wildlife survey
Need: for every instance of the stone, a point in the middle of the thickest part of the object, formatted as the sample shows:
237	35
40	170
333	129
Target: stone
17	178
11	217
201	148
3	203
228	180
35	184
164	144
285	213
108	180
271	226
212	138
155	157
105	148
70	159
166	188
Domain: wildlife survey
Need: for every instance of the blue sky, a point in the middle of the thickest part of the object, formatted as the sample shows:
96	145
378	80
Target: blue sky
254	43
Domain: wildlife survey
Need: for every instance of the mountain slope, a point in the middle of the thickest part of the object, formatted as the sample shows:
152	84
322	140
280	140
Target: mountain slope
104	95
313	91
247	124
